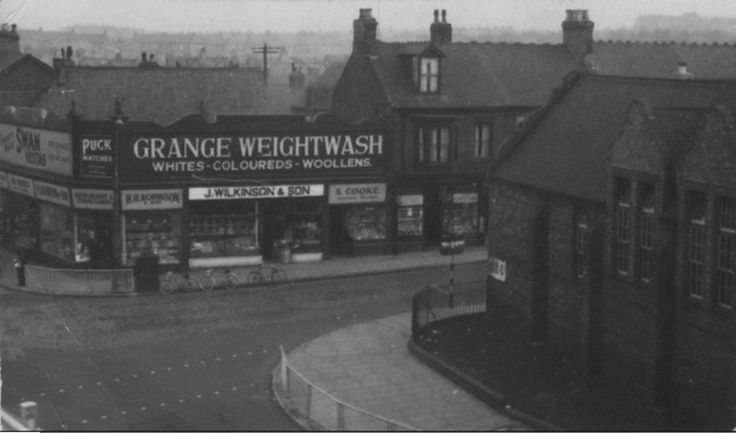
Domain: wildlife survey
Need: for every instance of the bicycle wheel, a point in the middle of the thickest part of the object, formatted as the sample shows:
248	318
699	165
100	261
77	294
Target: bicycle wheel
278	276
255	277
231	281
207	283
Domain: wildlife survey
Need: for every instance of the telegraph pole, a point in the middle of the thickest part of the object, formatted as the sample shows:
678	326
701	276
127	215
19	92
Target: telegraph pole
266	50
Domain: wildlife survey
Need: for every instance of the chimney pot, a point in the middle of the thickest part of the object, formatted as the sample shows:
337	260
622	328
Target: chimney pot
143	56
365	13
444	15
436	15
13	28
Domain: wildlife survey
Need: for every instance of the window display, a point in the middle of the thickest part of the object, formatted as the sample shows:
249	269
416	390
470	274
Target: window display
221	230
303	226
365	222
57	231
410	216
152	233
85	239
461	216
25	215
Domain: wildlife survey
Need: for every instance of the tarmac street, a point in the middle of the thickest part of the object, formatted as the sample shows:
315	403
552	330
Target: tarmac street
204	360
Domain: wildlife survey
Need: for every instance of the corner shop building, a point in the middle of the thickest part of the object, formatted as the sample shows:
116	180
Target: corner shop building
233	192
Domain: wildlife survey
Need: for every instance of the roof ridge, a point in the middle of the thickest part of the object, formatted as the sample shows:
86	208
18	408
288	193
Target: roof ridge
659	42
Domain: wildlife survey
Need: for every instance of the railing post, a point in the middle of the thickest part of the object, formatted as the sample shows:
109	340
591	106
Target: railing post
28	414
340	417
309	401
489	285
283	371
415	316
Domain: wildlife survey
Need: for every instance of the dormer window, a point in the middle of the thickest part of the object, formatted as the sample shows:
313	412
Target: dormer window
429	74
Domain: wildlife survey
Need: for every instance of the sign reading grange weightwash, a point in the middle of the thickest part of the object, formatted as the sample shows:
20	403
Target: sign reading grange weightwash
156	157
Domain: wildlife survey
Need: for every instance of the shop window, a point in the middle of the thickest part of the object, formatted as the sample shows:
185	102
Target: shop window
57	231
581	235
366	222
460	214
483	140
646	232
85	239
303	225
223	229
23	221
410	216
695	270
725	274
152	234
622	224
434	144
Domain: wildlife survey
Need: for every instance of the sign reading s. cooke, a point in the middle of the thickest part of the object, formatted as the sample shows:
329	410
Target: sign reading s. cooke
357	193
156	157
50	151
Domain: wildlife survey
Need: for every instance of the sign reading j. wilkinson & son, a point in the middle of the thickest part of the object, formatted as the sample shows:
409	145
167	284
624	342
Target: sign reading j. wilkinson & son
156	157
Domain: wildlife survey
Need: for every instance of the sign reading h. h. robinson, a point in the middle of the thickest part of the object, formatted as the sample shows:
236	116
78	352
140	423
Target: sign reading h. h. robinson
238	156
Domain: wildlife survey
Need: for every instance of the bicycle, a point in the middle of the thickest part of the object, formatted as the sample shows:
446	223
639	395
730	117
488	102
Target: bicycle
230	280
266	273
185	282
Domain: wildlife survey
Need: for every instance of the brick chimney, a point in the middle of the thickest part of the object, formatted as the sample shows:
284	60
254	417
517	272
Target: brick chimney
364	33
9	40
440	32
296	77
577	33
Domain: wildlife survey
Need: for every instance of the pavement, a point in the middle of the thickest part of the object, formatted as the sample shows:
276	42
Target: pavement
369	365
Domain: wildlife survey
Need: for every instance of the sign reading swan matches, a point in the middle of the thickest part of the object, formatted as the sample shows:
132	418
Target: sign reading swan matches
156	157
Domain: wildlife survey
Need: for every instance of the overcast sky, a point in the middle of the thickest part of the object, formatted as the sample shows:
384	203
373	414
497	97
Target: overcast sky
325	15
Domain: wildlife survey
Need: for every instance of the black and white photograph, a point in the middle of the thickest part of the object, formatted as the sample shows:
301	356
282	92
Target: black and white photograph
367	215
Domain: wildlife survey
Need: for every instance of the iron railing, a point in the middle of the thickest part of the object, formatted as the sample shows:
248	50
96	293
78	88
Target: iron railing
321	411
435	303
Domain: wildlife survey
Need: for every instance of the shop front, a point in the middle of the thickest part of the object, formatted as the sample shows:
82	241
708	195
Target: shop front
244	225
358	218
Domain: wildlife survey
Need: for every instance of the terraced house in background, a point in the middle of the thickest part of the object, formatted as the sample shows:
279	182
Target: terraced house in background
452	106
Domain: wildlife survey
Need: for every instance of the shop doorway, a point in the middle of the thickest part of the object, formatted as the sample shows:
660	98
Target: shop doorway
432	217
274	226
341	243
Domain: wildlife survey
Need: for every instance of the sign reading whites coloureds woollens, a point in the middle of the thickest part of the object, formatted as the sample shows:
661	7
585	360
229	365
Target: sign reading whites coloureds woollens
238	156
49	151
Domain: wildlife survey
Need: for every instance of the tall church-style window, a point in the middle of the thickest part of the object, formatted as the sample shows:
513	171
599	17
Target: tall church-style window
695	244
622	221
725	274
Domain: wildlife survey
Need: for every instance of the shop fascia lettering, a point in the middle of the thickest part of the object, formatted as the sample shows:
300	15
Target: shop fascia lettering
253	192
157	148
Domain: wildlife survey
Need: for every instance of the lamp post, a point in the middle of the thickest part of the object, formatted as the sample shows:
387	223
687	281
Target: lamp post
452	245
118	122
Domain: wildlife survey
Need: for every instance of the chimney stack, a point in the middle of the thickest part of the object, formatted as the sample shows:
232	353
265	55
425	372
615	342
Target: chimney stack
9	40
577	33
364	33
440	32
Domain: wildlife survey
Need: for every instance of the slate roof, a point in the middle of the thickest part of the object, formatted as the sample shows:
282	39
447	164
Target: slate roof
661	59
475	74
566	148
492	74
161	95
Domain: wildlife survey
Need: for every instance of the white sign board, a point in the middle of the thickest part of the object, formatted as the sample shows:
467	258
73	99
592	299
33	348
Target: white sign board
84	198
147	199
49	151
255	192
357	193
52	193
21	184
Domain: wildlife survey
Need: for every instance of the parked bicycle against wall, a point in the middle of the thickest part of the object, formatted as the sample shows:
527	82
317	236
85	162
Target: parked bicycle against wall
183	282
229	280
266	274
